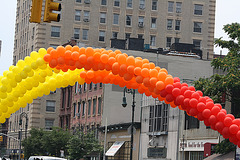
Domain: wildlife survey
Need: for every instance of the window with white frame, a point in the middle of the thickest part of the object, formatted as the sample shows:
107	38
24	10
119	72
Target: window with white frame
76	33
178	7
83	108
168	41
198	9
153	22
197	27
158	118
129	3
49	124
85	87
77	15
197	43
101	36
76	87
170	6
177	25
55	31
102	17
74	109
86	15
154	5
114	34
79	107
152	40
128	20
103	2
116	3
115	18
99	105
169	24
94	106
85	34
89	106
142	4
50	106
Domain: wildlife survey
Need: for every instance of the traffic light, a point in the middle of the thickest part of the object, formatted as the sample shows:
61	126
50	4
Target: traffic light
51	6
36	11
22	156
1	138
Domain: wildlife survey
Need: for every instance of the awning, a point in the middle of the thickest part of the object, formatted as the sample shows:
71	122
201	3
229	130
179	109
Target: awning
228	156
114	148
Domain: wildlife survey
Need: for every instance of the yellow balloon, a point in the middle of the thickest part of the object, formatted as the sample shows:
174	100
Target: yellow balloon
34	65
20	63
42	52
2	119
28	60
40	62
34	55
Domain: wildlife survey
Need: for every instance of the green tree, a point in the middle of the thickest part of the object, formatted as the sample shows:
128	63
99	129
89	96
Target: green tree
82	144
226	85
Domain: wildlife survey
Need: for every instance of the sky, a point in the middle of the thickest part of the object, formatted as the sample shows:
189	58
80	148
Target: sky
227	11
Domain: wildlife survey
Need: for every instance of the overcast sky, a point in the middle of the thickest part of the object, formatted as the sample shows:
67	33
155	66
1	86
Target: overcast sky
227	11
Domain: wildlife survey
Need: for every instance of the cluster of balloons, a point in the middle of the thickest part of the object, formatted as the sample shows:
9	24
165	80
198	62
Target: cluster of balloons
29	79
115	67
49	69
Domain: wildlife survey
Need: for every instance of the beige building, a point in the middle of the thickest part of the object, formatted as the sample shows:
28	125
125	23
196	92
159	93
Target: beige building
159	22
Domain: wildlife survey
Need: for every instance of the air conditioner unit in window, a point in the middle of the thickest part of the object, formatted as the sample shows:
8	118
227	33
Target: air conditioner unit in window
86	19
141	7
140	24
87	1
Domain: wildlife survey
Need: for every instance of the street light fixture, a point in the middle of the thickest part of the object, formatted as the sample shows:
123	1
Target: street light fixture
124	104
23	114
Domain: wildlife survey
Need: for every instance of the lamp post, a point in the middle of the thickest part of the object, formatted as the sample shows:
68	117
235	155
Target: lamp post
124	104
23	114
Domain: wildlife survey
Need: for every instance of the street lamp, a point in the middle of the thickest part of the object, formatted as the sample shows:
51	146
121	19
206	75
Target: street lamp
23	114
124	104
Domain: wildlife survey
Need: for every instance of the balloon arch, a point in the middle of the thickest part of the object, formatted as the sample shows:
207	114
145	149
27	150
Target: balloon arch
47	70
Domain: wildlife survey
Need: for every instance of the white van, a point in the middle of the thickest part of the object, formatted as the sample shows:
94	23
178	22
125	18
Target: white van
45	158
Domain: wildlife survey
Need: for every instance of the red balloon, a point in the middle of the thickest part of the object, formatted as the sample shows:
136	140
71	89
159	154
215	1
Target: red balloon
183	89
187	94
215	110
236	121
219	126
206	113
196	95
191	88
213	127
163	93
202	99
227	121
176	79
225	132
221	116
186	102
193	112
180	99
206	122
169	97
47	57
223	110
169	88
184	84
200	116
53	63
238	135
233	139
200	93
231	116
177	85
233	129
193	102
176	92
209	105
201	106
212	120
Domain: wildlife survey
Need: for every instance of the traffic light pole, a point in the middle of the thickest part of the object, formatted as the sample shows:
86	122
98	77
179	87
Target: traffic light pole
20	139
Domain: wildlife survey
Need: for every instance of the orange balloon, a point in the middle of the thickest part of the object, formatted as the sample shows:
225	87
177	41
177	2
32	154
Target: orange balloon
164	70
83	59
111	60
104	58
146	82
162	76
161	98
89	51
68	54
115	66
121	59
47	57
127	77
145	72
83	74
61	61
145	61
75	48
160	85
157	68
54	53
82	50
90	60
169	80
138	63
151	65
112	54
68	47
139	79
118	51
130	69
61	50
137	71
153	81
97	56
172	104
75	55
90	74
123	68
156	91
145	65
49	50
130	60
153	73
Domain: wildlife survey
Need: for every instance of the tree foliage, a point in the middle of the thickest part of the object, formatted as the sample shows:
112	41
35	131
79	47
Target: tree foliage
224	147
82	144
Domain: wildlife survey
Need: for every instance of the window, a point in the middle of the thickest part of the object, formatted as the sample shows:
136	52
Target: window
90	86
178	7
86	15
197	27
191	122
74	109
127	35
49	124
85	34
76	33
83	108
103	2
77	15
55	31
63	97
140	21
94	106
115	18
129	3
169	42
153	22
89	107
177	40
95	86
140	36
102	17
142	4
101	36
158	118
114	34
76	87
79	107
50	106
170	6
198	9
197	43
169	24
79	1
177	25
99	105
154	4
100	85
69	96
128	20
116	3
196	155
84	87
153	40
